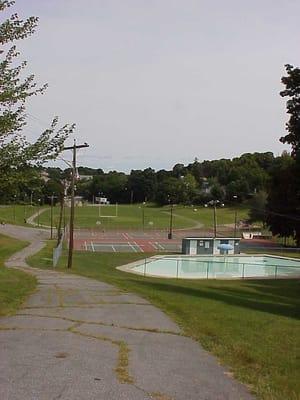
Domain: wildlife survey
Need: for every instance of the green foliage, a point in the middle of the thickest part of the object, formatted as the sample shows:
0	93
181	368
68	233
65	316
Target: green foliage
257	207
283	205
14	285
15	151
292	91
196	183
284	192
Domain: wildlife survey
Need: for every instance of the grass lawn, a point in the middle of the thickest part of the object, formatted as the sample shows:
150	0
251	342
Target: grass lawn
132	216
14	285
16	214
252	326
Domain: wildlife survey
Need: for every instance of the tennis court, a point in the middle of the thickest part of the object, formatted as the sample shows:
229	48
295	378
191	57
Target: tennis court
128	241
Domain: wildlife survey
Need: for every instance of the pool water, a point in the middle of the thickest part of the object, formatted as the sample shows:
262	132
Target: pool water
218	267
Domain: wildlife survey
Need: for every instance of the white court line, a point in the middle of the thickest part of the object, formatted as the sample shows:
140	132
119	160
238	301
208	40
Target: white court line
92	246
110	245
85	245
133	248
113	248
160	246
142	251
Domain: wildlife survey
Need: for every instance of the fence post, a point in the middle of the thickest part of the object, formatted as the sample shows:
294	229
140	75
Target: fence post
207	268
243	271
276	272
145	266
177	269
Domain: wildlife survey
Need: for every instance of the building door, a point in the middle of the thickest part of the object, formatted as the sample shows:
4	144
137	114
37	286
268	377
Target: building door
193	247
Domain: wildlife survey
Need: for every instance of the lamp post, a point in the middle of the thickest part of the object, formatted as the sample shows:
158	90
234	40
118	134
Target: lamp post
100	194
39	203
235	217
25	203
14	208
143	215
214	203
215	219
170	234
51	215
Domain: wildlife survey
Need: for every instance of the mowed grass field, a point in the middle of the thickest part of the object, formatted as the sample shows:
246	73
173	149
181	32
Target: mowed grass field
148	217
14	285
252	326
17	214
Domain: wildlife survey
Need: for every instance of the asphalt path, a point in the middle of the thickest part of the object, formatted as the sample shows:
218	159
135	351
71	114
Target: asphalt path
80	339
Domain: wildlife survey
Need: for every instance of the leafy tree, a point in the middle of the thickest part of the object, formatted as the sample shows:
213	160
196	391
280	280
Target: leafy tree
257	211
15	150
292	91
143	184
284	194
239	188
217	192
282	206
178	170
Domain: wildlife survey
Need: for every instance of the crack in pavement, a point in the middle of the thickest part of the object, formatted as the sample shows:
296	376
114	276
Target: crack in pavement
113	325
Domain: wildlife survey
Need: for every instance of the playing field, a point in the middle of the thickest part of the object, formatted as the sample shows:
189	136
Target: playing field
144	218
16	214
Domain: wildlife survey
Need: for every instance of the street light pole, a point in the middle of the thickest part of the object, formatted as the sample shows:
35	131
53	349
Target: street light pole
215	219
51	217
235	217
171	223
143	215
72	213
15	196
39	200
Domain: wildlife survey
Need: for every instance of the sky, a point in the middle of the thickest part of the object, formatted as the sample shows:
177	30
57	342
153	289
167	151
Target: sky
152	83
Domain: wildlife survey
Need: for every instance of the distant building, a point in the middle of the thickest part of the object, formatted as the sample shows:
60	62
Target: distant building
205	186
210	246
45	176
85	177
78	200
102	200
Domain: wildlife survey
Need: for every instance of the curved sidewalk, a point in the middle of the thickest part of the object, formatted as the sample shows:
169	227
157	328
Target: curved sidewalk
80	339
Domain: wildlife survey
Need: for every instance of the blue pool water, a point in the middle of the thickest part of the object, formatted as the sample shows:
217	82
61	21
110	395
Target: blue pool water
219	267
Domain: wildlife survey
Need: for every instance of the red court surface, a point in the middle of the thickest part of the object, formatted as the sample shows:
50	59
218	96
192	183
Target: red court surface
151	241
129	241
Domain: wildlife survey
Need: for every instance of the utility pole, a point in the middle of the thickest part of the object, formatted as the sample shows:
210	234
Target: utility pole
72	213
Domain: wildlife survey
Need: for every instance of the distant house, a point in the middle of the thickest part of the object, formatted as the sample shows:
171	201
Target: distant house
102	200
45	176
78	200
85	177
205	186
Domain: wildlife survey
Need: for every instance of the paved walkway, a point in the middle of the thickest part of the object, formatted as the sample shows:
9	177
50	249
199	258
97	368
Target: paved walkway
80	339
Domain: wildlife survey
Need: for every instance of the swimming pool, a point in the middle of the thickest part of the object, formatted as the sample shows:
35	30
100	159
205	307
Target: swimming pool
217	267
